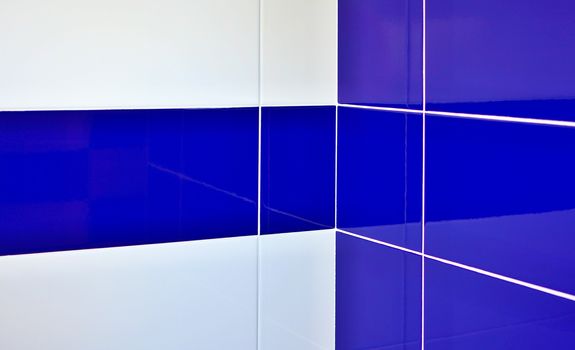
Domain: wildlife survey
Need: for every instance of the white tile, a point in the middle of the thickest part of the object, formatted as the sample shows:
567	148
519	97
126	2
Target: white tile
297	291
194	295
299	52
62	54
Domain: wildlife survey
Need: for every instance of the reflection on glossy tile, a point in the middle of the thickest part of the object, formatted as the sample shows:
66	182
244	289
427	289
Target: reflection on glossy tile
379	175
163	296
219	186
298	168
510	57
466	310
88	179
297	291
501	196
380	52
378	298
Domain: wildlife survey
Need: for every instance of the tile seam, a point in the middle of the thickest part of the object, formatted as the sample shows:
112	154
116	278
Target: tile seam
259	179
512	280
160	108
519	120
423	131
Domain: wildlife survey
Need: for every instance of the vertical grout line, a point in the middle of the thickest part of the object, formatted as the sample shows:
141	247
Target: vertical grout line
424	102
336	109
335	220
336	164
259	200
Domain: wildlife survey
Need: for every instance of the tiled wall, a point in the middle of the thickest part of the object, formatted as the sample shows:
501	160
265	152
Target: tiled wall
193	143
456	168
211	149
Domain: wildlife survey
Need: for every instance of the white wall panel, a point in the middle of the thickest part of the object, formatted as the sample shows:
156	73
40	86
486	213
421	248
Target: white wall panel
297	291
299	52
62	54
194	295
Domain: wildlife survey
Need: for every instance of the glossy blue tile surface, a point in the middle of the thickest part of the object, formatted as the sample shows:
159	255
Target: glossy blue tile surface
380	174
380	52
219	193
378	296
298	168
466	310
511	57
88	179
501	196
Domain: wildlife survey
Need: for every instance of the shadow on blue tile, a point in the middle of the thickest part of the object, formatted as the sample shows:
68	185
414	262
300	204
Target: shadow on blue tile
378	298
500	196
467	310
380	175
298	168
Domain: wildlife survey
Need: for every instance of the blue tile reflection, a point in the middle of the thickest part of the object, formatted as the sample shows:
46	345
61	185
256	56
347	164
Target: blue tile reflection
380	174
88	179
380	50
378	298
510	57
298	168
466	310
501	196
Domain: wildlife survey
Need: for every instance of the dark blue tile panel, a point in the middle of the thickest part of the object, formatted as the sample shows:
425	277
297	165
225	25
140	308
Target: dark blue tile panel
501	196
378	299
466	310
219	191
90	179
380	52
380	174
298	168
512	58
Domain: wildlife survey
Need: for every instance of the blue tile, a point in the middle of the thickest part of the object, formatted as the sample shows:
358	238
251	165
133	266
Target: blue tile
380	174
378	298
117	129
501	196
298	168
219	195
165	142
380	52
512	58
90	179
466	310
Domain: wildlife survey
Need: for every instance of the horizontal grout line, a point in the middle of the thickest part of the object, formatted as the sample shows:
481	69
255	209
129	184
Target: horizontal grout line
128	246
301	105
504	278
387	109
503	118
379	242
140	108
376	108
120	108
160	244
467	115
467	267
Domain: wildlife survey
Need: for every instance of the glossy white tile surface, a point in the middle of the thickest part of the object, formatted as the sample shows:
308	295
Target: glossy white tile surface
128	53
297	291
193	295
299	52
